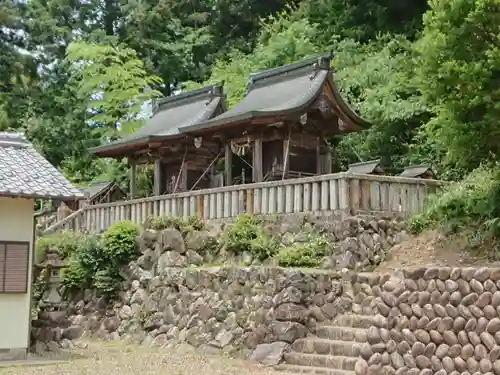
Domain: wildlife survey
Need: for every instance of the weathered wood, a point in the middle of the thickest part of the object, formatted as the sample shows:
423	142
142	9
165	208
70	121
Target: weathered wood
133	178
228	164
257	173
345	192
157	177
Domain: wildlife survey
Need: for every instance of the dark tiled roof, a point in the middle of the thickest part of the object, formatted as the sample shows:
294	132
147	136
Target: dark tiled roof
280	91
25	173
366	167
171	114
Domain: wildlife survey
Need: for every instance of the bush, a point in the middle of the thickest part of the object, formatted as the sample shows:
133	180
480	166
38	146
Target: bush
119	242
241	233
97	263
83	265
308	254
66	243
179	223
475	199
471	207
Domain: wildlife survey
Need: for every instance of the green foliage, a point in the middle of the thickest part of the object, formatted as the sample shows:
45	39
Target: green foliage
113	82
119	242
247	235
469	206
182	225
298	256
458	75
308	254
66	243
98	262
83	265
470	200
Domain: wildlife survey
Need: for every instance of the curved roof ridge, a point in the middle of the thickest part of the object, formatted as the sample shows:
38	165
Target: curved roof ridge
215	90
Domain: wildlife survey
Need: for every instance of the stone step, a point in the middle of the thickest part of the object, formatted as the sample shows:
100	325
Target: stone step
294	369
354	321
341	333
318	360
312	345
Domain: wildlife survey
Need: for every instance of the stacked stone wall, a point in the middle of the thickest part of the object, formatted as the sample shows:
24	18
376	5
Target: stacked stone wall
434	321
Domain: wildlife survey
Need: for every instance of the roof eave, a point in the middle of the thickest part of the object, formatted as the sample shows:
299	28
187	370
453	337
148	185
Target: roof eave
346	109
43	196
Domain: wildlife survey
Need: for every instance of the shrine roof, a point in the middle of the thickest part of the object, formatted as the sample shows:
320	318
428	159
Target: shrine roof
282	91
169	115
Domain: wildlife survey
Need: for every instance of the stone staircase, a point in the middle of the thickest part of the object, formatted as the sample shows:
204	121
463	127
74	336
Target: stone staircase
333	351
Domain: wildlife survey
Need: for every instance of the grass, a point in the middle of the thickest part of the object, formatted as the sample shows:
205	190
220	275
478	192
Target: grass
119	359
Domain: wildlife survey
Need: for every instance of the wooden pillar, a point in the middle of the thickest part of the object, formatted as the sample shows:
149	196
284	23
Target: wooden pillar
157	176
327	157
286	155
319	160
183	179
133	173
228	164
257	160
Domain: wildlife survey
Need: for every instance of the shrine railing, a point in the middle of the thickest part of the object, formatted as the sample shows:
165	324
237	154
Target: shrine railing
344	192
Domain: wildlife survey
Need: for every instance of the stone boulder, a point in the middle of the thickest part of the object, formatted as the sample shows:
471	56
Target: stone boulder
170	239
269	354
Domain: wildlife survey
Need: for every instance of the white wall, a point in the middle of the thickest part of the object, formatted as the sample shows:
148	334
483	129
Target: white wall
16	224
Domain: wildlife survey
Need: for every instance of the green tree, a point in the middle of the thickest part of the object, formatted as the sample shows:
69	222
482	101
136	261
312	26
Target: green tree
459	70
113	84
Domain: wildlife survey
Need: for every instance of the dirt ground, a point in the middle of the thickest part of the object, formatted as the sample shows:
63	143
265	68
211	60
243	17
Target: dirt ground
432	248
120	359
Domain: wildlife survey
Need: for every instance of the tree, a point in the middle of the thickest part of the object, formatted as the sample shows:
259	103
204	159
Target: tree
377	80
459	75
113	83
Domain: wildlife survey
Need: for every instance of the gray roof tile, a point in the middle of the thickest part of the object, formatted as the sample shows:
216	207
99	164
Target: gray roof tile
418	171
172	113
366	167
25	173
281	91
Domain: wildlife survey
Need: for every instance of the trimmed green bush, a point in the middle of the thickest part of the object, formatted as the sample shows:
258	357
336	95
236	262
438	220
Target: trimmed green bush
98	262
307	255
179	223
247	235
119	242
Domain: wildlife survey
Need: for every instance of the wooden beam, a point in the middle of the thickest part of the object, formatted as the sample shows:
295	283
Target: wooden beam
157	176
257	160
228	164
133	178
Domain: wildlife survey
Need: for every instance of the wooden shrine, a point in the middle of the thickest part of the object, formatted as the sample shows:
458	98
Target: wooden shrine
279	130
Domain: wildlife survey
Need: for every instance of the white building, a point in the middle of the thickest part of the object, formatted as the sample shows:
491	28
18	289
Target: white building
24	176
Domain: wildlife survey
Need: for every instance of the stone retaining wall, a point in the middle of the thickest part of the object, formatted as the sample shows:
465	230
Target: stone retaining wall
435	321
229	309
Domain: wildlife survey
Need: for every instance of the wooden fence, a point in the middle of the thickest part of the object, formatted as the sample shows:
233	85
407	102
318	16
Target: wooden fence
344	192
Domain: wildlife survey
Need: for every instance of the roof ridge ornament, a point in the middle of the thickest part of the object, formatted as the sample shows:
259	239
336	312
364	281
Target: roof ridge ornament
316	69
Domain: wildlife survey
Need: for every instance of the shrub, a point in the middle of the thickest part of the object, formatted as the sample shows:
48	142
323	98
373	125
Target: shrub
97	263
241	233
476	198
471	207
179	223
247	235
308	254
66	243
298	255
119	242
83	265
